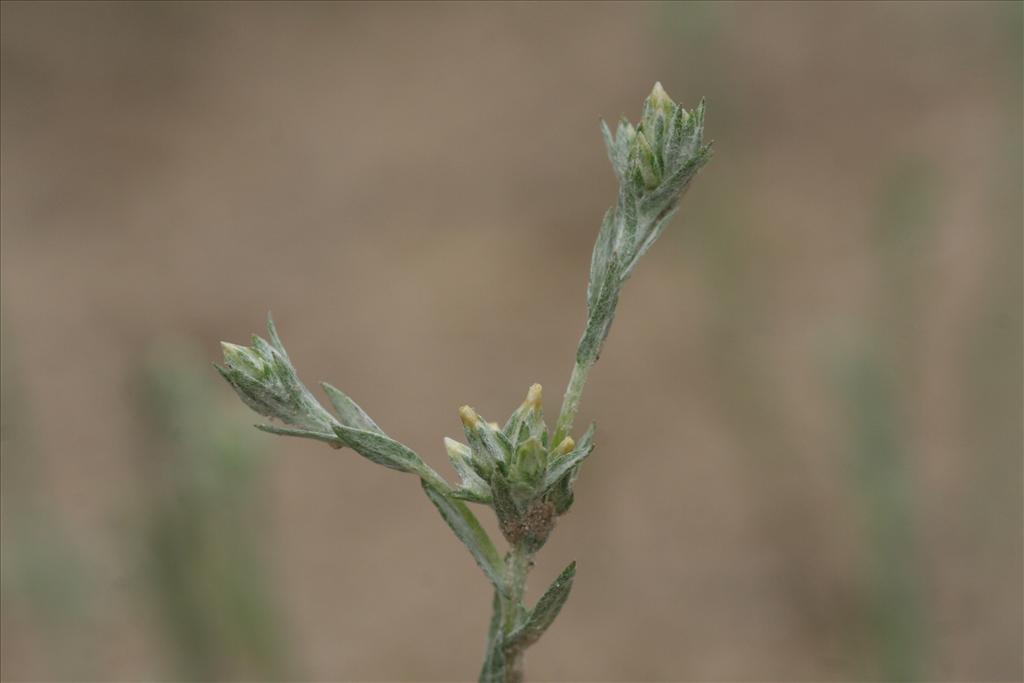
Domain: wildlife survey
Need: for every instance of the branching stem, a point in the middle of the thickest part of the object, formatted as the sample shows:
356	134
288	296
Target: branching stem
571	401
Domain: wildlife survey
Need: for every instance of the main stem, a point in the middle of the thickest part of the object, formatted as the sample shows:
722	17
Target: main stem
517	566
519	561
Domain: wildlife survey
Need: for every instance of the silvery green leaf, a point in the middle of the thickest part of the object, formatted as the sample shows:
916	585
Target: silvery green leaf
614	156
629	221
600	316
694	135
673	187
264	378
531	462
674	138
649	239
331	439
659	133
505	443
381	450
468	530
488	454
602	254
349	411
248	389
561	495
473	486
547	608
262	347
562	466
274	338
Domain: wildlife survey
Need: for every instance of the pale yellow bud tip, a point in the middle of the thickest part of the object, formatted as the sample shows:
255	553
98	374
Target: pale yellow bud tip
456	449
468	417
533	396
233	353
566	446
660	98
228	347
494	426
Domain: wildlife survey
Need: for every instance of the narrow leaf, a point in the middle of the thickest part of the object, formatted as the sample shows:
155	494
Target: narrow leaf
274	338
600	315
543	615
381	450
331	439
614	157
649	240
472	483
601	255
349	412
467	528
675	138
563	465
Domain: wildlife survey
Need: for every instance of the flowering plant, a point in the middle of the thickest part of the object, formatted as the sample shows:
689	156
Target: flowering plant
523	471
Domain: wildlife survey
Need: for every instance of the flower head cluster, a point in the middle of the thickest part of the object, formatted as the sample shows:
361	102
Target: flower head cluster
655	162
516	469
263	377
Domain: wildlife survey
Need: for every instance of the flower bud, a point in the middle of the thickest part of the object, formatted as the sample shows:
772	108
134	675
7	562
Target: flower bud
659	100
469	417
533	397
566	446
265	380
244	359
531	462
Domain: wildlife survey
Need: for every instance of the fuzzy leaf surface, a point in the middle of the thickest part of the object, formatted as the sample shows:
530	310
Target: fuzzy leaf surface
381	450
331	439
543	615
565	464
349	411
468	530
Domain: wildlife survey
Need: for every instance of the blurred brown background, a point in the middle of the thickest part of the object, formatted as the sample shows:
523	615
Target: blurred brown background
809	460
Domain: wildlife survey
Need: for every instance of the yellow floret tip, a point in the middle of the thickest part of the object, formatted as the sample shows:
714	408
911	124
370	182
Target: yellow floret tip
566	446
469	417
534	396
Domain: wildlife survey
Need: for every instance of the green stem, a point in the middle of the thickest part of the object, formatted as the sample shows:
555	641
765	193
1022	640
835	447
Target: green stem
571	401
517	565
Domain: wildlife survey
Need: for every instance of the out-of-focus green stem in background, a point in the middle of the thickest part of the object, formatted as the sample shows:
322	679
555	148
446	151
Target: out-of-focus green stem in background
205	531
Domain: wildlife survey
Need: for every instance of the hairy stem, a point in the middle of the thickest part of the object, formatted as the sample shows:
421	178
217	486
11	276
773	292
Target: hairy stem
517	564
571	401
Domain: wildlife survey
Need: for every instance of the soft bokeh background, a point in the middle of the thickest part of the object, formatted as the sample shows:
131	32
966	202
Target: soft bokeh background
809	463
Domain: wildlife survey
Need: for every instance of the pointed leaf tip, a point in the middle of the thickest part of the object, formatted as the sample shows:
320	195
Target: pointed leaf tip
543	614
